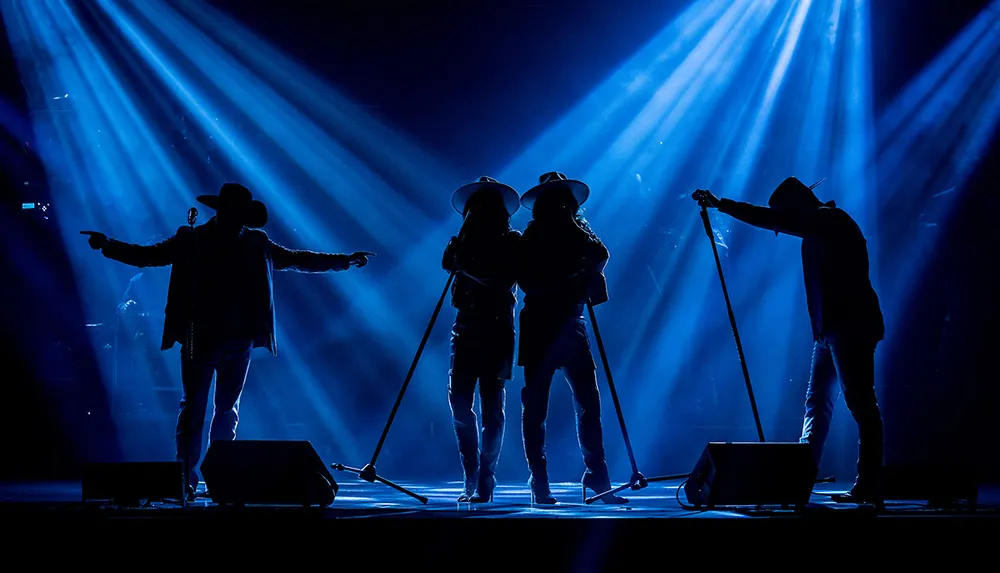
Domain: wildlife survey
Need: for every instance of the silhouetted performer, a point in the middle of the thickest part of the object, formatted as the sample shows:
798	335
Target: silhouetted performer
220	305
560	266
483	256
846	319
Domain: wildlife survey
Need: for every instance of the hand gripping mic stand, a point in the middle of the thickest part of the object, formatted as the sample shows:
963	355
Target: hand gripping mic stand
368	472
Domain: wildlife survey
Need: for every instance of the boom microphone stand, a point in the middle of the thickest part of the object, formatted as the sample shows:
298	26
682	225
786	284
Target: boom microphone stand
732	321
368	472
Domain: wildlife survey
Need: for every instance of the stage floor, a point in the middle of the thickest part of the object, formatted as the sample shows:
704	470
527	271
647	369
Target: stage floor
366	515
358	499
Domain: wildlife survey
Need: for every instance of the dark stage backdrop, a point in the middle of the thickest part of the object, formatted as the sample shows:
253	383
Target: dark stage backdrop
939	386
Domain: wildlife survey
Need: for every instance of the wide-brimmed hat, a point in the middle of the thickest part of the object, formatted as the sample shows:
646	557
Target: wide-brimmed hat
237	199
460	198
555	180
792	190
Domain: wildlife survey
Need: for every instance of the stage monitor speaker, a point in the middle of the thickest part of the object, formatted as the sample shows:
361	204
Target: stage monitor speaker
751	473
129	483
267	472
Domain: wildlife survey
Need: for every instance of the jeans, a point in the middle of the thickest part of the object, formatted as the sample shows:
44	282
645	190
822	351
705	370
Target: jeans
478	464
570	353
229	362
852	360
482	352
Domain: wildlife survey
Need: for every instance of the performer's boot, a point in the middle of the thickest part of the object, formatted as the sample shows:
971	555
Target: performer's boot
867	489
484	490
868	485
538	483
468	451
600	484
490	453
469	489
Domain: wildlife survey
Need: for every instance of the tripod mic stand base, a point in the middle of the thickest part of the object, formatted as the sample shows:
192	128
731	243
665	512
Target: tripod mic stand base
636	482
369	475
668	478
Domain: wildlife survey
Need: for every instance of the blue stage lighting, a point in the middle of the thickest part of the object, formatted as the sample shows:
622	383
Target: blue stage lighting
732	96
129	74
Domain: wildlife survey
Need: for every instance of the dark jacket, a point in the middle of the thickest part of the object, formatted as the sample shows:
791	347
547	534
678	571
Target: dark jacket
558	273
257	258
482	338
835	266
484	285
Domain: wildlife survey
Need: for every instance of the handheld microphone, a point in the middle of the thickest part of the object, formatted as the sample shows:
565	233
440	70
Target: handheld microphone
192	216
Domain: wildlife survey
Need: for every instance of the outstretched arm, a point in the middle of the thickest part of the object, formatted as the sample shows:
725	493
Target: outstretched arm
302	261
160	254
777	220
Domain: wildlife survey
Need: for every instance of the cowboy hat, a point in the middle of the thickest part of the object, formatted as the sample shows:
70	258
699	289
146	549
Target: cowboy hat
554	180
239	199
460	198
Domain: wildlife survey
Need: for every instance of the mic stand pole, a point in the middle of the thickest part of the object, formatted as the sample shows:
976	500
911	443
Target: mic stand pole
739	350
637	481
368	473
732	322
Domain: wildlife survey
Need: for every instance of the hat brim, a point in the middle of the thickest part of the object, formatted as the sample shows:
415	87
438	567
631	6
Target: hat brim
579	189
460	198
254	214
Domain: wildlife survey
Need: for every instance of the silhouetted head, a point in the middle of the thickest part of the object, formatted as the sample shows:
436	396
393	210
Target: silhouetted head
486	208
486	202
794	195
557	206
235	207
556	199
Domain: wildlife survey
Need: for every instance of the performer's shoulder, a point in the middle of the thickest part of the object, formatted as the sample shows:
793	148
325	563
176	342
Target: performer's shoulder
256	235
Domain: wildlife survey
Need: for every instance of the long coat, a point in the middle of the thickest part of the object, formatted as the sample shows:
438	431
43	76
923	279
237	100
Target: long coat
258	255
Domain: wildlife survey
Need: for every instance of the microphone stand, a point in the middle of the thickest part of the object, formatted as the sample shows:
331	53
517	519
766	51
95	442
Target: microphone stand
739	350
369	473
637	481
732	322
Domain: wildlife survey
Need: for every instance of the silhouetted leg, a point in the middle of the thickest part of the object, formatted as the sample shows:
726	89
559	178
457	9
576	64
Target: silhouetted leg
534	410
196	379
492	397
821	396
232	375
589	430
461	395
855	362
